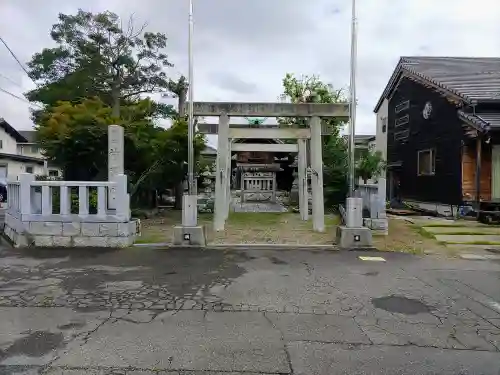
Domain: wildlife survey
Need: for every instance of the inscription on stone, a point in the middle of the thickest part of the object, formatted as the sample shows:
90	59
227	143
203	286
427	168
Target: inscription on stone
115	159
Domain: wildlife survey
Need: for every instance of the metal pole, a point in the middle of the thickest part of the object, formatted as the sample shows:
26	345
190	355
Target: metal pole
191	184
352	107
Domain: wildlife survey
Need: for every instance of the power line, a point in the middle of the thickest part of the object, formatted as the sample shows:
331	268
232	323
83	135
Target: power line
10	80
15	58
19	98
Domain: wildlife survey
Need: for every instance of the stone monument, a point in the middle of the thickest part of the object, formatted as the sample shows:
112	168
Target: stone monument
115	159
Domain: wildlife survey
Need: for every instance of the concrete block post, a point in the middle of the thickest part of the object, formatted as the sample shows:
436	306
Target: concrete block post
115	160
318	209
220	177
25	180
382	186
303	188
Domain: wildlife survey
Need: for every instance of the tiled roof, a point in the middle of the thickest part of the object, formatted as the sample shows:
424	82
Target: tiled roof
471	78
484	121
30	135
9	129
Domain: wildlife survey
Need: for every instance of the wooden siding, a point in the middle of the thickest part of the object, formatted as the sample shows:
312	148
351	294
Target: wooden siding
409	132
469	173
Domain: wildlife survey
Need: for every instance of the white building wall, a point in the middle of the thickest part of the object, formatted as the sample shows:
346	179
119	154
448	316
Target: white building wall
29	149
13	168
8	144
381	135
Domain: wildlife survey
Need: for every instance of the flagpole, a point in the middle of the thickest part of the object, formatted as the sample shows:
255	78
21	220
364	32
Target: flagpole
191	184
353	104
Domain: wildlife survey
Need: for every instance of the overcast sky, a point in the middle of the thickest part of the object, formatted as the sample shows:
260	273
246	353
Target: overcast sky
243	48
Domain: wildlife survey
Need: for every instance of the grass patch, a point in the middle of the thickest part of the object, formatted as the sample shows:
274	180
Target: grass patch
493	243
407	238
260	218
423	232
467	233
445	225
246	228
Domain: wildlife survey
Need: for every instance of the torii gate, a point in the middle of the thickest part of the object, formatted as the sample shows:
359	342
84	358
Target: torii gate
226	133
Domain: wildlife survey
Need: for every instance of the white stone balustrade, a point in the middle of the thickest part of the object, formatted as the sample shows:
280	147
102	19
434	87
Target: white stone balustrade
33	200
31	220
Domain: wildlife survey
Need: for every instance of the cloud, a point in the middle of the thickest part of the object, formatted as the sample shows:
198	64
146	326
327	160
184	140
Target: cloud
242	49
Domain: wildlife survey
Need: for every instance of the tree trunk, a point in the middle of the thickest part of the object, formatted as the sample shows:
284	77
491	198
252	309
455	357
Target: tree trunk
115	93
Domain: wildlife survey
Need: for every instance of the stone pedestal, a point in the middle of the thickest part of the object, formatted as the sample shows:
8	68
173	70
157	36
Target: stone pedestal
189	236
354	238
189	210
354	212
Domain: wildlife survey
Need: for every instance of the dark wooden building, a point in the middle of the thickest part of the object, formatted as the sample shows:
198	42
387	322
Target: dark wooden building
442	129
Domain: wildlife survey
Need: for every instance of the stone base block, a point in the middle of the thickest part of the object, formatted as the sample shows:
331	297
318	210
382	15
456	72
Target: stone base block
354	238
380	226
73	234
189	236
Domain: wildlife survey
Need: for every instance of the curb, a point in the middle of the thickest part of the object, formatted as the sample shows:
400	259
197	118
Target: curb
250	246
242	246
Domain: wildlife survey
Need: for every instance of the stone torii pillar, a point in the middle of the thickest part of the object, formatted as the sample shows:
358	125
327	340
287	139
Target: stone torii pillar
221	177
318	210
228	180
302	171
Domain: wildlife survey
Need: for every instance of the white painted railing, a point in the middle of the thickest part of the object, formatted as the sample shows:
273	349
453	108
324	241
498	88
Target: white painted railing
32	200
14	198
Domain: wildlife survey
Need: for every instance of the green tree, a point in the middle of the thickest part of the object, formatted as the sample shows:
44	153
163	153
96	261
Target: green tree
370	165
172	157
74	137
310	89
95	56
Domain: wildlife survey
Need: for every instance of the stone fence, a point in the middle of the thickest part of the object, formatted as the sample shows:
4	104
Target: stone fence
369	194
69	213
373	196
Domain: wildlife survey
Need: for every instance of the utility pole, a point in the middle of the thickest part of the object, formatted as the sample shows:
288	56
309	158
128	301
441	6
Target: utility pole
191	184
190	233
353	103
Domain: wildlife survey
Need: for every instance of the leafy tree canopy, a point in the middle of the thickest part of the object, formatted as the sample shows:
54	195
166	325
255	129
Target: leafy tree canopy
310	89
370	164
96	57
74	136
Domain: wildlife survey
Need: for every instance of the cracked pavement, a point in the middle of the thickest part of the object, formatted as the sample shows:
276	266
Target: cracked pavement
188	311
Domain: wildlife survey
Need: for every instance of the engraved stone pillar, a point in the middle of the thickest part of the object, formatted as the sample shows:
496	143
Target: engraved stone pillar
302	182
115	160
221	170
317	175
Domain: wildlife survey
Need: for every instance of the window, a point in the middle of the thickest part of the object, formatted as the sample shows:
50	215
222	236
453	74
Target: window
1	144
402	121
426	162
29	169
402	106
384	124
34	149
54	173
402	135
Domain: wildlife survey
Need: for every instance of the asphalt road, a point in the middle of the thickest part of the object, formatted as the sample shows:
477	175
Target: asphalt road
145	311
